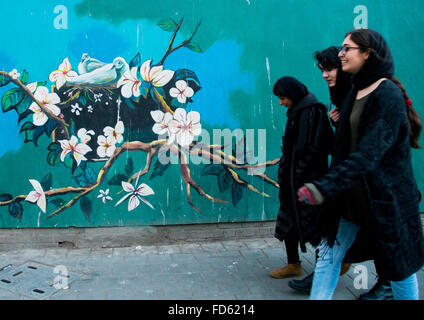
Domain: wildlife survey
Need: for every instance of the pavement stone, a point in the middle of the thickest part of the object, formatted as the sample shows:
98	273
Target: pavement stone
223	270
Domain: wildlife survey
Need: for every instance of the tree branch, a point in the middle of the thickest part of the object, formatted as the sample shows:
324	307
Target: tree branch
59	120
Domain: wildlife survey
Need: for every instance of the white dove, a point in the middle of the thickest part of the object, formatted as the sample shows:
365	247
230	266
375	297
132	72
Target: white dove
105	75
89	64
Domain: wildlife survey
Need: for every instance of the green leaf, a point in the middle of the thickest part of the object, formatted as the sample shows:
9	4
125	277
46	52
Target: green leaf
16	210
11	98
4	80
90	175
29	136
58	202
86	207
46	182
53	146
136	61
27	126
212	169
224	180
53	158
5	197
23	106
193	47
167	25
159	168
24	77
72	128
237	193
117	179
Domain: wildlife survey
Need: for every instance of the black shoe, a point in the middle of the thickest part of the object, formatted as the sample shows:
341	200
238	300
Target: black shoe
380	291
303	285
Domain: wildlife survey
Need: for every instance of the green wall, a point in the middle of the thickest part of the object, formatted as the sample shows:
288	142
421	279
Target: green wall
237	51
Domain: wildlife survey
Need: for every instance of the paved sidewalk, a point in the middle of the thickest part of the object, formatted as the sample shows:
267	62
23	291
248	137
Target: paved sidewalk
207	270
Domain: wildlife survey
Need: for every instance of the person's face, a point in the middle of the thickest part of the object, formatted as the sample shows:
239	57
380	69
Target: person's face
284	101
329	75
353	59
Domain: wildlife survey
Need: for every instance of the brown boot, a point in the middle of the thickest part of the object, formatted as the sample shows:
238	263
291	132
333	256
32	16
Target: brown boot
290	270
345	268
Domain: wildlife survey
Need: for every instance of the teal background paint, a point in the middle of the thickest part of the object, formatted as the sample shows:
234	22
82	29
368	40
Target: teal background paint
247	45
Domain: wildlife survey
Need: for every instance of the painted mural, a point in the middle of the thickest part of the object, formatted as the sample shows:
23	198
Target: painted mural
97	112
161	112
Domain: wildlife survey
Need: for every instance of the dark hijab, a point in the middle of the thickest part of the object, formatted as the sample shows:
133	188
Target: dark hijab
379	64
291	88
343	85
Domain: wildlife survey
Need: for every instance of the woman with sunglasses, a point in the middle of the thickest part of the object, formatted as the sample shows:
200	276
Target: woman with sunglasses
371	167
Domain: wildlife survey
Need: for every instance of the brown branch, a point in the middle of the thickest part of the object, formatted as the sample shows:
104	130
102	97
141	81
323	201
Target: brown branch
242	182
146	169
75	96
152	150
127	146
50	193
185	171
218	159
59	120
170	50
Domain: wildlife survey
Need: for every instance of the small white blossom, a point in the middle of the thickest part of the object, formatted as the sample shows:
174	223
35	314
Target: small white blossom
104	195
75	108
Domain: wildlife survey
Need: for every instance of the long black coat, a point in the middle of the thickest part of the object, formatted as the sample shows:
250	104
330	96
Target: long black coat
392	234
307	141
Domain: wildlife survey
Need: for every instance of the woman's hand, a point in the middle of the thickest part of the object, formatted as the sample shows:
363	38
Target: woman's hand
305	195
334	114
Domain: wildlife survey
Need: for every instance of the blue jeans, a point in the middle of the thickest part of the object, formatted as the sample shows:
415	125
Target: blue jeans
329	261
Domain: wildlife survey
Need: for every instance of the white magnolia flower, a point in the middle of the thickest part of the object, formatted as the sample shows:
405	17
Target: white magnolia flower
135	194
181	92
37	196
62	74
84	135
32	86
14	74
162	122
106	146
49	101
130	84
75	108
156	75
78	150
116	132
185	126
104	195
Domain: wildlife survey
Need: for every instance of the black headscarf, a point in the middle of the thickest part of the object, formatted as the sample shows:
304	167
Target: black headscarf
291	88
343	85
379	65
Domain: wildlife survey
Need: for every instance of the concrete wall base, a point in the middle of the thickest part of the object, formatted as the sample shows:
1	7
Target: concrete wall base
109	237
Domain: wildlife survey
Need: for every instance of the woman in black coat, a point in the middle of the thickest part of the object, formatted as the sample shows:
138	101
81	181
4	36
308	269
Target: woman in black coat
307	141
371	185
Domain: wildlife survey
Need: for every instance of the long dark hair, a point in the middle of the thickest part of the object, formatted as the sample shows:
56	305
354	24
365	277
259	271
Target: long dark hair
363	38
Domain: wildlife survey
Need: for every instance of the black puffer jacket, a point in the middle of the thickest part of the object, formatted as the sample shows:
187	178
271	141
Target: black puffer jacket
307	141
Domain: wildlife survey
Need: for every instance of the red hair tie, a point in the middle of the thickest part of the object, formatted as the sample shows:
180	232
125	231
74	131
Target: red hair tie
408	102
